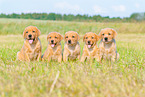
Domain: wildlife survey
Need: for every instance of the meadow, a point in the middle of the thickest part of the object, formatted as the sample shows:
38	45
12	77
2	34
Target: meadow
125	77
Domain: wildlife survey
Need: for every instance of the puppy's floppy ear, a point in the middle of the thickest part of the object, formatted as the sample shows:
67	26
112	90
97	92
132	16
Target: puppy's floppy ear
100	34
97	37
38	32
47	37
78	37
114	33
24	34
65	37
84	38
61	37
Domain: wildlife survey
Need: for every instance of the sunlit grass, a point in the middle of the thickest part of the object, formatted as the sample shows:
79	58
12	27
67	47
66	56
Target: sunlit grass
73	78
17	26
124	78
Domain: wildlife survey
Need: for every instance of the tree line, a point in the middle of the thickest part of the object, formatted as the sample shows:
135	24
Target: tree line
71	17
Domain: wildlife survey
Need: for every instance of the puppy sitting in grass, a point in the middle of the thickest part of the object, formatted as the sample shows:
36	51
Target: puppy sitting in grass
31	49
72	46
108	45
90	50
54	50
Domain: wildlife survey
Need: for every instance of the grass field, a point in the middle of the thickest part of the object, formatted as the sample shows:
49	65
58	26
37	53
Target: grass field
124	78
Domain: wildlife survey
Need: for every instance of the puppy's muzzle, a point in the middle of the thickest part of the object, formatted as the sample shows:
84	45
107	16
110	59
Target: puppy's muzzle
106	39
29	35
52	41
89	42
69	41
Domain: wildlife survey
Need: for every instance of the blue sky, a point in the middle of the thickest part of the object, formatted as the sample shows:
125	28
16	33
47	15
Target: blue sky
112	8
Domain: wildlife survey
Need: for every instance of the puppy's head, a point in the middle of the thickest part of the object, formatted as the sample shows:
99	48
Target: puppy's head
71	38
90	39
31	33
54	38
107	35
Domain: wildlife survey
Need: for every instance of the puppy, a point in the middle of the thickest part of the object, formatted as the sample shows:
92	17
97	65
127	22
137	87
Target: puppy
108	45
54	50
31	49
72	46
90	50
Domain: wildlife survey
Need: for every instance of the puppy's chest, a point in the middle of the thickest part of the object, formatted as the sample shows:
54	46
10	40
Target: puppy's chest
55	53
109	51
33	51
90	51
93	51
73	53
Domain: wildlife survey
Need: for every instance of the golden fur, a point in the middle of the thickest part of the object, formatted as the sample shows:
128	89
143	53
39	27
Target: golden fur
72	46
107	45
90	50
31	49
54	50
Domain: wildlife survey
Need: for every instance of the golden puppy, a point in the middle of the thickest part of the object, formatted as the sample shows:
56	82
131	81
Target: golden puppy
72	46
91	50
108	45
54	50
31	49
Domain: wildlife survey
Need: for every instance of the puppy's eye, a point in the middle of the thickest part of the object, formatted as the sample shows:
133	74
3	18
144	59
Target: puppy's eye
86	37
27	32
33	31
50	37
66	36
102	34
55	37
109	34
73	36
92	37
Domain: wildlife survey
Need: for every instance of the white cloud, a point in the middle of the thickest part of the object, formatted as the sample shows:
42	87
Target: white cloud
119	8
65	5
137	5
99	9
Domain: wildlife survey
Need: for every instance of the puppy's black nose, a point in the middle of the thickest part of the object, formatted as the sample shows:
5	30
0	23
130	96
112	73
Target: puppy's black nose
106	38
52	41
88	42
69	41
30	35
